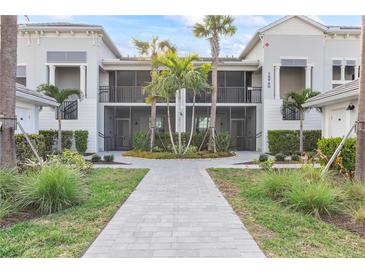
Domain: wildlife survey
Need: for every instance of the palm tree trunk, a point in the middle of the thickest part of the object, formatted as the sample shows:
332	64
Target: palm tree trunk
213	109
59	144
360	143
153	124
301	149
192	125
169	124
8	61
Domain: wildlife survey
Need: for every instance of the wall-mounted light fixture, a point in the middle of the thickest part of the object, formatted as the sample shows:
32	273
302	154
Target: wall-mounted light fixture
350	107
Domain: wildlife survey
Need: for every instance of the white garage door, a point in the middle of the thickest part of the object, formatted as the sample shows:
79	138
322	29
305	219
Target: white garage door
338	123
24	117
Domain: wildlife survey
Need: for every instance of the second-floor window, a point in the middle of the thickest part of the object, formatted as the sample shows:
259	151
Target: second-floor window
21	75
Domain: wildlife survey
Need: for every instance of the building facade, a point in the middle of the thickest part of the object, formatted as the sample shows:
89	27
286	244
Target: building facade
290	54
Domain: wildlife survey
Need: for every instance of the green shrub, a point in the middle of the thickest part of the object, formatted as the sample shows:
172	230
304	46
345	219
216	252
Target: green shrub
267	165
287	141
263	157
280	157
312	198
109	158
95	158
6	208
355	192
51	137
73	159
57	186
295	157
141	141
81	140
327	146
163	142
359	215
23	150
276	183
9	180
223	141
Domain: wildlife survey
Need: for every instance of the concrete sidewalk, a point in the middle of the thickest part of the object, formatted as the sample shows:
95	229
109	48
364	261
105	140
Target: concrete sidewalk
176	211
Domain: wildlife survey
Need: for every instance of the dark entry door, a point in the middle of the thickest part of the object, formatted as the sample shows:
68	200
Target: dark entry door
123	133
237	133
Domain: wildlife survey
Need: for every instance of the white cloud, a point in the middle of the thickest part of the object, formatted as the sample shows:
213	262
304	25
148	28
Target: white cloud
250	21
186	20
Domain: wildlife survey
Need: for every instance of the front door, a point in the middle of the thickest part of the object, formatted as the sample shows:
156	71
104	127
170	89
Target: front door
123	133
237	133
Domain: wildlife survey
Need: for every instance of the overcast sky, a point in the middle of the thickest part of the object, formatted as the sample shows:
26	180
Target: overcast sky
178	29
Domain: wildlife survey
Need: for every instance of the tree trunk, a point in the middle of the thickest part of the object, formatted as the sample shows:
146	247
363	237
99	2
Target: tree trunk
301	149
169	124
360	143
192	125
8	62
59	143
213	109
153	124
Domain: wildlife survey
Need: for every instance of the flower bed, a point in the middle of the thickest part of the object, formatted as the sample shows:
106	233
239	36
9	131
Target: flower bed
169	155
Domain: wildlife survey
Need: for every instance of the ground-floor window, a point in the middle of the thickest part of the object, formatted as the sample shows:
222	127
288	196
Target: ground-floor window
202	123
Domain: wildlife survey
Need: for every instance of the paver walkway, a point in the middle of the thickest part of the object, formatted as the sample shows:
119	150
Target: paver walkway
176	211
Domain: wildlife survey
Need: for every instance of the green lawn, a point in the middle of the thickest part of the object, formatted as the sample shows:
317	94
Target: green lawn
279	230
70	232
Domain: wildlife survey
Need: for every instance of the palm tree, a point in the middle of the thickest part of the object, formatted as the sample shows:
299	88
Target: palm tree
360	143
152	49
8	61
196	82
213	27
294	101
60	95
171	79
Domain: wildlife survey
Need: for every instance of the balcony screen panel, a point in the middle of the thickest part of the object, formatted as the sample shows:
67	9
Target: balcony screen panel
126	78
143	77
293	62
336	73
112	78
66	56
234	79
221	79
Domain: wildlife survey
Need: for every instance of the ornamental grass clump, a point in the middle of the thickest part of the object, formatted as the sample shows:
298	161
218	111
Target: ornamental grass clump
55	187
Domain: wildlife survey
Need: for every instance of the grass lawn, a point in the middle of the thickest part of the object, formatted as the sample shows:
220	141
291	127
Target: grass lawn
169	155
69	233
279	230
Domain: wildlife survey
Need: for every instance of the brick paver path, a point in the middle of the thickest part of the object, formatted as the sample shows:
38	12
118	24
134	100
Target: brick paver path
176	211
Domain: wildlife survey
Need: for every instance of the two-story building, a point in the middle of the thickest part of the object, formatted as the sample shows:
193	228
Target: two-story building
292	53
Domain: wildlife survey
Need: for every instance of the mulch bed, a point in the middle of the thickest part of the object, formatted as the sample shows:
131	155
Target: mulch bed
19	217
345	222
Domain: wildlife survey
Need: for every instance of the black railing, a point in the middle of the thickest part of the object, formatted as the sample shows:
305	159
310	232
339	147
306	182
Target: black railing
229	95
69	110
290	114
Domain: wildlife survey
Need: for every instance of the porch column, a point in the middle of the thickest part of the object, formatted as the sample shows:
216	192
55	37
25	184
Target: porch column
83	80
52	74
343	72
356	71
308	77
277	83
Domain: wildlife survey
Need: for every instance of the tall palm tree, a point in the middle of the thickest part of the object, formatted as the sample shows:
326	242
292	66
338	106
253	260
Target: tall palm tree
151	49
213	27
173	78
360	144
294	101
8	61
60	95
196	82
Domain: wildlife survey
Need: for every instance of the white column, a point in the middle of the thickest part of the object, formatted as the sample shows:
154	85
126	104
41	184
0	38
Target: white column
356	71
180	111
308	77
343	73
83	80
52	74
277	83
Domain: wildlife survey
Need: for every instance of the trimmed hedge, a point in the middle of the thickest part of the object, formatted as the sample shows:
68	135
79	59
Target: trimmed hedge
51	137
81	137
327	147
287	141
23	150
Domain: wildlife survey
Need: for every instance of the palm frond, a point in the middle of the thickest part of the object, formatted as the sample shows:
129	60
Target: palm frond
142	46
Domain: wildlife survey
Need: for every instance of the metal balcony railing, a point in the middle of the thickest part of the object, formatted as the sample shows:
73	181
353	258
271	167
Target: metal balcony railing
121	94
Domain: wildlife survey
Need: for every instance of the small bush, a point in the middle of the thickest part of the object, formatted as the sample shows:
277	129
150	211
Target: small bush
73	159
9	180
95	158
359	215
280	157
23	150
312	198
223	142
141	141
81	140
295	157
109	158
263	157
287	141
191	149
55	187
276	183
6	209
51	137
267	165
355	192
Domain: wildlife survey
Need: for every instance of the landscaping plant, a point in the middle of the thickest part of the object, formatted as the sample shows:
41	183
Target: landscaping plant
263	157
223	141
109	158
140	141
81	140
95	158
280	157
73	159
